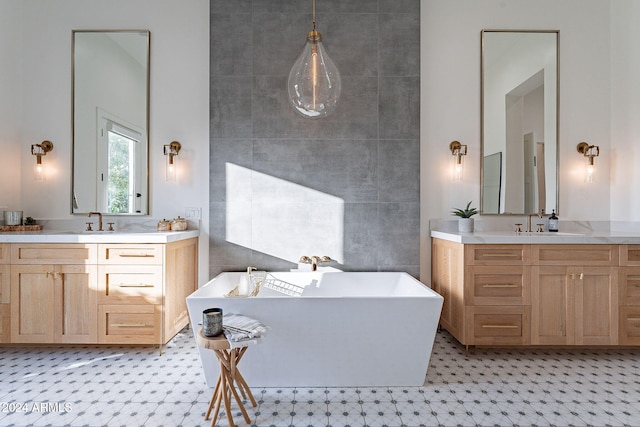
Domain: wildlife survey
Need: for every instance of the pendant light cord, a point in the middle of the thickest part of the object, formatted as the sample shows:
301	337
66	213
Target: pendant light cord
313	6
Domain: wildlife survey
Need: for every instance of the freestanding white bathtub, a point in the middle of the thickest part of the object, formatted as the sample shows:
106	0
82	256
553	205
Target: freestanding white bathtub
346	329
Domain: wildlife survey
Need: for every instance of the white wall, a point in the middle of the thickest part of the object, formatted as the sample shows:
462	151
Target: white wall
40	65
625	110
10	85
450	98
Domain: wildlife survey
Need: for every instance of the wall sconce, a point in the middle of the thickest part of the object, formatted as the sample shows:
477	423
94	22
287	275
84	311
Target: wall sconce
458	151
171	150
40	150
590	152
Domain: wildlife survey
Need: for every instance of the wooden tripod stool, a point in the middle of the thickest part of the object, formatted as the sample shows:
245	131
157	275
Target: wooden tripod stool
229	377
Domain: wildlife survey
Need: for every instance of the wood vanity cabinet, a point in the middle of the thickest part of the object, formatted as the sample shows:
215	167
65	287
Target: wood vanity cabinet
95	293
486	292
534	294
629	314
5	293
53	293
143	290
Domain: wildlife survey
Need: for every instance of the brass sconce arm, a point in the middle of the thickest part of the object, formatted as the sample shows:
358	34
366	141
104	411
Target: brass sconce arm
41	149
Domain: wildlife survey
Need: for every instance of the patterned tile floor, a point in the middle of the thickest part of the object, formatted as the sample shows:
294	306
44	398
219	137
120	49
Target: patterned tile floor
133	386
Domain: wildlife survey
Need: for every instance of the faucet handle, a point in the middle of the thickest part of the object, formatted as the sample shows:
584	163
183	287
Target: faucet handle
89	226
111	226
305	259
325	259
518	228
540	228
250	269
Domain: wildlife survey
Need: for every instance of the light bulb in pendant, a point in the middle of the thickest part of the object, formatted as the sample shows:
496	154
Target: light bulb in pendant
314	80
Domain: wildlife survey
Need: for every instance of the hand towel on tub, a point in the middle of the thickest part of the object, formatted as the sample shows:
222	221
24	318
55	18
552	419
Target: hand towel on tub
240	329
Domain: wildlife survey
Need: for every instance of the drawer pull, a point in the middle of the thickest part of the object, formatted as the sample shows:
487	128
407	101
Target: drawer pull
501	255
633	319
499	285
130	325
136	255
500	326
141	285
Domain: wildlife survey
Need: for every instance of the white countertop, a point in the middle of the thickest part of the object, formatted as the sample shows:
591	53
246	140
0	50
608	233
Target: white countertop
57	236
503	237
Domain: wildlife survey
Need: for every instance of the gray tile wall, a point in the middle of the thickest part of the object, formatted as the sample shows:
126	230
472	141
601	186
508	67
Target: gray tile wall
283	186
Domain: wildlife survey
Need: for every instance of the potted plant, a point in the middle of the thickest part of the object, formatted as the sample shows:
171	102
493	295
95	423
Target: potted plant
465	222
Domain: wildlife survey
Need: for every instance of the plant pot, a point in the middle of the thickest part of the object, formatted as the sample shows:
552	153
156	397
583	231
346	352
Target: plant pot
465	225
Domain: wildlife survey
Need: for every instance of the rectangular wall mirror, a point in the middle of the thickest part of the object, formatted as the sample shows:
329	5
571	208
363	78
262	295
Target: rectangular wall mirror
520	93
110	84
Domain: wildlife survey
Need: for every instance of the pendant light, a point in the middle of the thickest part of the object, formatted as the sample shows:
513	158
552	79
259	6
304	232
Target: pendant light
314	81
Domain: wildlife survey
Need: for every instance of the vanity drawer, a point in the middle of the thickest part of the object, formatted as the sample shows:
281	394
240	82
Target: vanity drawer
53	253
129	284
591	255
497	254
5	253
629	286
506	285
129	324
492	325
131	254
630	255
629	332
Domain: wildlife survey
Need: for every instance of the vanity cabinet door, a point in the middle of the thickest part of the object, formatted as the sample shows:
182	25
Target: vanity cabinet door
53	304
5	323
32	304
596	301
552	306
5	253
574	305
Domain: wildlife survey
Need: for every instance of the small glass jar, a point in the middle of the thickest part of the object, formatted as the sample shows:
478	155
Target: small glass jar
179	224
164	225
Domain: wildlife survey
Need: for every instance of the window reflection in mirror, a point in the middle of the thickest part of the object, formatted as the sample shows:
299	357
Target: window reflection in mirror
110	121
519	122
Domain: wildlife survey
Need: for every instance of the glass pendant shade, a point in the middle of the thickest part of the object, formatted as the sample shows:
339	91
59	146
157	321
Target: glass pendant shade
314	81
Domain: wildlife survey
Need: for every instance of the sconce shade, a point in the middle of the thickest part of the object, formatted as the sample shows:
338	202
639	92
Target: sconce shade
171	150
590	152
314	82
458	151
40	150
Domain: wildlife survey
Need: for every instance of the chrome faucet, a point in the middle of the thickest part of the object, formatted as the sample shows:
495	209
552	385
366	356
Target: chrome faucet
99	219
538	214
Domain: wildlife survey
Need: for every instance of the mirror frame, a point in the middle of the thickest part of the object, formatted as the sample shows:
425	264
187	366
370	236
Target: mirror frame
482	115
145	207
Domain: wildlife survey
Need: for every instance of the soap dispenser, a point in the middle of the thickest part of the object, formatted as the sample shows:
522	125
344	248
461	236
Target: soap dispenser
553	222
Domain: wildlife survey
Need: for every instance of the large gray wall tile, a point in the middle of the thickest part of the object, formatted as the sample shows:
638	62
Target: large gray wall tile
346	186
356	115
230	104
346	169
399	170
230	44
400	108
400	44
